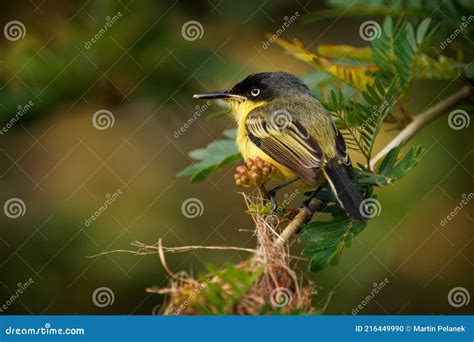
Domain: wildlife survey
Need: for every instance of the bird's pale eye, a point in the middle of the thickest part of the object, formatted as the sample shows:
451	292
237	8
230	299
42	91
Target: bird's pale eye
255	92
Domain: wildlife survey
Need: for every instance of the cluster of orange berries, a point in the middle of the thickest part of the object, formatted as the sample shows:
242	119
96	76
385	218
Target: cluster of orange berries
254	173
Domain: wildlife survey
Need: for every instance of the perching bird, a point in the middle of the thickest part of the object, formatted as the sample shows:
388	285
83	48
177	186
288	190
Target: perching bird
281	122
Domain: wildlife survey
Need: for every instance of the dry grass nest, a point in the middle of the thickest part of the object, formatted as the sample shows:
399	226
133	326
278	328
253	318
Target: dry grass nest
263	284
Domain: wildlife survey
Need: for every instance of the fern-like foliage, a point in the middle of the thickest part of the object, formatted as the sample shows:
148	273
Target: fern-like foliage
327	240
356	76
448	14
361	123
392	168
395	51
425	66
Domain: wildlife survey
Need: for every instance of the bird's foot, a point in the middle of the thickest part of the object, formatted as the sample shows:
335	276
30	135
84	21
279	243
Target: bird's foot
309	212
254	173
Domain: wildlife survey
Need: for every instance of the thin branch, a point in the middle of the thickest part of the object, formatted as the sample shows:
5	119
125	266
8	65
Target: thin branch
165	264
295	224
144	249
419	121
190	248
422	119
152	249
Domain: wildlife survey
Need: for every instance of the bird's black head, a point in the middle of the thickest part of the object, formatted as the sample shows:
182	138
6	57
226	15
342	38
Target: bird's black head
264	86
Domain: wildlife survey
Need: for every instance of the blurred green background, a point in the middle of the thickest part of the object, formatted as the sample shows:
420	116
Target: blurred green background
144	72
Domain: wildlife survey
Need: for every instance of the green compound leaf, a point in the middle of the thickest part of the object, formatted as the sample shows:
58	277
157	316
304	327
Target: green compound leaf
216	155
327	240
392	168
422	30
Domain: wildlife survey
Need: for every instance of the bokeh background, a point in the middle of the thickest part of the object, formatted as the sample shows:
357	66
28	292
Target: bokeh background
144	72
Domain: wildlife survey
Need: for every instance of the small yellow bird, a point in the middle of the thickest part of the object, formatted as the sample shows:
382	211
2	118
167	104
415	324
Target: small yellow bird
281	122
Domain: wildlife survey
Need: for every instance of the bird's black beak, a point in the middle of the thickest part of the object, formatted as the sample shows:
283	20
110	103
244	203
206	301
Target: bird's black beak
219	94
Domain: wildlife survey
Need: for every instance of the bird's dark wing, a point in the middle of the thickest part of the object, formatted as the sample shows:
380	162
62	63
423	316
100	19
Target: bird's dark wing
287	141
341	150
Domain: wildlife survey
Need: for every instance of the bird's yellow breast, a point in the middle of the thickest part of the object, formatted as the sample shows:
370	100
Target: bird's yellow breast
247	148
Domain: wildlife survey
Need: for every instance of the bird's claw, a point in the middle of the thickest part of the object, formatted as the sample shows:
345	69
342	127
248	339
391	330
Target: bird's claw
253	173
273	199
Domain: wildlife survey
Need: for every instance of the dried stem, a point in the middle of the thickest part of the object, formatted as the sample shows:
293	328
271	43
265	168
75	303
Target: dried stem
165	264
153	249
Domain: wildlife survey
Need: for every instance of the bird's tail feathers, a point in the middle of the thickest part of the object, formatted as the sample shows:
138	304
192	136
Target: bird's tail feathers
344	191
